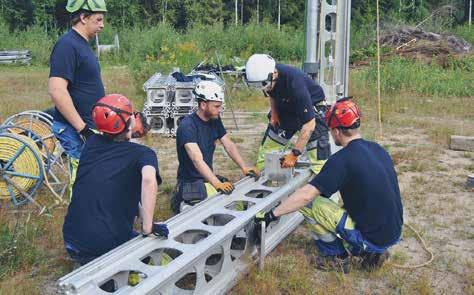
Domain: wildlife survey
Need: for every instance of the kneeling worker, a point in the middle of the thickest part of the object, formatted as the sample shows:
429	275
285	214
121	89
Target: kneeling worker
195	143
372	216
113	177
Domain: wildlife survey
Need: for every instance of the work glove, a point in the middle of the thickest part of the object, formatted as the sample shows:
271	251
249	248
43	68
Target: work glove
289	160
159	230
268	217
85	133
224	187
252	172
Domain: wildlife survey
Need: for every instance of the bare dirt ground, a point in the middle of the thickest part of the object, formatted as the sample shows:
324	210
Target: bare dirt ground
431	178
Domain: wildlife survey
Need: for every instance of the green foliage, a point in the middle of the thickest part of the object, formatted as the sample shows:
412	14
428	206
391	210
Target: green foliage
401	75
161	47
33	38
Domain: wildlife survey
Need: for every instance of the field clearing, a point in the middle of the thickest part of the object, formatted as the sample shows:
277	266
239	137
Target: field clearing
415	132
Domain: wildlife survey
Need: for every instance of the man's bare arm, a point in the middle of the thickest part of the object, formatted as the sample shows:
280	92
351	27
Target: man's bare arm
57	88
148	197
195	154
232	150
297	200
305	134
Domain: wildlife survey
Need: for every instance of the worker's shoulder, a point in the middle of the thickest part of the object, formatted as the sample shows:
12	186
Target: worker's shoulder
186	123
67	39
137	148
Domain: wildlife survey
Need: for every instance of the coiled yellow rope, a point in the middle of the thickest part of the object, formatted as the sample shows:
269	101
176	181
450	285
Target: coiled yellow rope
39	128
27	162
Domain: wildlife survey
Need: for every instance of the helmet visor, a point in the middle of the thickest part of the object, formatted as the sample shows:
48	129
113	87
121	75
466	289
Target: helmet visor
262	85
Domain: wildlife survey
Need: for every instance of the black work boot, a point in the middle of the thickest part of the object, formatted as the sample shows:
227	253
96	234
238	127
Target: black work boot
373	261
333	263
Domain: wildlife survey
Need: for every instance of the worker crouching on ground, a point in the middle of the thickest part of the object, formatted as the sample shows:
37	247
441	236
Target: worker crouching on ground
372	216
195	143
113	177
295	107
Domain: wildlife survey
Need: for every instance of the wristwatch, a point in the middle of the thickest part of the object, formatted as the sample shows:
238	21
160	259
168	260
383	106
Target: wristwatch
296	152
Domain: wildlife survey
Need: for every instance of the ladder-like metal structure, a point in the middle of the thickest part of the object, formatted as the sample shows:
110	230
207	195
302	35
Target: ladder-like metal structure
208	249
327	35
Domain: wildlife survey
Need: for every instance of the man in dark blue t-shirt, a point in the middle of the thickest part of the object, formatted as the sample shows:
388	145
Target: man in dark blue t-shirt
74	79
113	177
195	143
294	99
372	216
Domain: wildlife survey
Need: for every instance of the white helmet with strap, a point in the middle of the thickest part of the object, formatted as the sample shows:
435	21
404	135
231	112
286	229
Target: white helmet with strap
259	70
209	91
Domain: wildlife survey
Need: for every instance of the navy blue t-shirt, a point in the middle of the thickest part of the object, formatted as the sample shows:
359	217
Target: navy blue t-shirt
295	94
72	59
364	174
205	134
106	194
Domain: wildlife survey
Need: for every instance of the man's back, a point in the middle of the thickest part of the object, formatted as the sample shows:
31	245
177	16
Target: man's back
364	174
106	194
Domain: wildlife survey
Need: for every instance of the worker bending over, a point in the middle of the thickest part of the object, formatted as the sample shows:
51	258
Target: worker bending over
195	143
294	100
371	218
113	177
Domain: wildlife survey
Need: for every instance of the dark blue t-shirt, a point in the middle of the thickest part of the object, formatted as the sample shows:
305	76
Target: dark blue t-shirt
106	194
364	174
295	94
72	59
205	134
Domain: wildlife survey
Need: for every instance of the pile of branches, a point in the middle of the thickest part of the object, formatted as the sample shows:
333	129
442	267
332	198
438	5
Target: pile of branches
409	41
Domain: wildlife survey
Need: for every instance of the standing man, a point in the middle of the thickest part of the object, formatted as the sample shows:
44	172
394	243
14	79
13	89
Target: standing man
195	143
293	98
372	216
74	79
113	177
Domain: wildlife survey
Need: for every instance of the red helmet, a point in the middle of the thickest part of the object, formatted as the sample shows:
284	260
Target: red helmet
111	113
344	113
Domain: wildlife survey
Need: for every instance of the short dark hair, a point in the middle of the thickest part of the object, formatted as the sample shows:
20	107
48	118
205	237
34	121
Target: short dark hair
348	131
76	16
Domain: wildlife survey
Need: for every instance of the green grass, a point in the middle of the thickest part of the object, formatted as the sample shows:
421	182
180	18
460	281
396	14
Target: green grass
419	79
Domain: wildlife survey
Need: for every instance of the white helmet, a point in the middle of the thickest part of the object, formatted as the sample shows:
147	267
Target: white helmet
209	91
259	70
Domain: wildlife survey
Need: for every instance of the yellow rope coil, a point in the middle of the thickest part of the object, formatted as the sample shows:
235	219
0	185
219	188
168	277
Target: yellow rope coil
39	128
25	163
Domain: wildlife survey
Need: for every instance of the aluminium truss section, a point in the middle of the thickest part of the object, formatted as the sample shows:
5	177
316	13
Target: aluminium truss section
327	45
208	249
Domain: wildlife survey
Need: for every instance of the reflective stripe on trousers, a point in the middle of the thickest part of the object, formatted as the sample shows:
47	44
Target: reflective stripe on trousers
331	226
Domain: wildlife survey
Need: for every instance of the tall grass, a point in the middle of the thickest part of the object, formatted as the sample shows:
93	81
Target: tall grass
401	75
